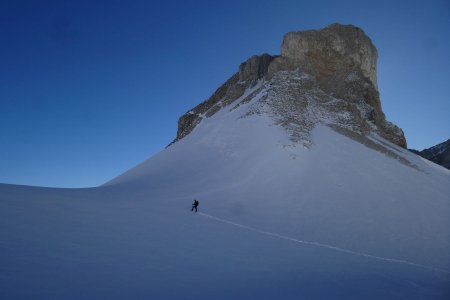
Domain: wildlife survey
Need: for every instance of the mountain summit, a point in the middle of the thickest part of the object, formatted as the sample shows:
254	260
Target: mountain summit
326	76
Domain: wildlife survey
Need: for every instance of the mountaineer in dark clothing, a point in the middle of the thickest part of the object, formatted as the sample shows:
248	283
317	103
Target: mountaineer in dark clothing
194	205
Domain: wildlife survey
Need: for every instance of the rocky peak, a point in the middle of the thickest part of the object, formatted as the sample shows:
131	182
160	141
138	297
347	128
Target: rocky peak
342	60
332	70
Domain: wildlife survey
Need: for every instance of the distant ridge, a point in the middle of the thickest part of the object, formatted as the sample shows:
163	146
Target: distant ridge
439	154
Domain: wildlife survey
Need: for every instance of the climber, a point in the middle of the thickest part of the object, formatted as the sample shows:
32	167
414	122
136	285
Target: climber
194	205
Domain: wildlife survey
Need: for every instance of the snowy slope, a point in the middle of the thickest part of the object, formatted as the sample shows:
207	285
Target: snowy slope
337	220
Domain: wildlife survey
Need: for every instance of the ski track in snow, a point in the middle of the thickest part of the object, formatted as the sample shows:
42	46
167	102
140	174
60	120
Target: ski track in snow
393	260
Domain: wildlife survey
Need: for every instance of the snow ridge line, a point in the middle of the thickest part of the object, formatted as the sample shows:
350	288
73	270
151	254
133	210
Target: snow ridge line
400	261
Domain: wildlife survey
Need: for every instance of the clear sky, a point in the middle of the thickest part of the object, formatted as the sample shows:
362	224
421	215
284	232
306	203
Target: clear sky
89	89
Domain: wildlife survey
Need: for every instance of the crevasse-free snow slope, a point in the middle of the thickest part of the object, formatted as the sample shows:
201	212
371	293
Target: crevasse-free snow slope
305	202
137	238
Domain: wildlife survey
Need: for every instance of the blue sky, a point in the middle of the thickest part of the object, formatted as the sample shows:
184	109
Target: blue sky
89	89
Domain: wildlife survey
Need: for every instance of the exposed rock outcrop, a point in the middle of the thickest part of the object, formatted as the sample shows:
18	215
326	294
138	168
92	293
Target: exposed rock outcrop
338	69
335	51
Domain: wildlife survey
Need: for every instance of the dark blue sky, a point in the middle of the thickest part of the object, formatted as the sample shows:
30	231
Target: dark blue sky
88	89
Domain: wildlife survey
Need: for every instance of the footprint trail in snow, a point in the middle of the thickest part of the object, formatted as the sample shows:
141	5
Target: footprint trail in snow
392	260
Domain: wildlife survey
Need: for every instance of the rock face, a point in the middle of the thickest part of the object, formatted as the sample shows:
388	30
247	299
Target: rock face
336	50
332	71
439	154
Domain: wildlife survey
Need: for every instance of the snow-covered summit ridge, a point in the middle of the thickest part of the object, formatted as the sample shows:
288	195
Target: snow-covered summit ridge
323	76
